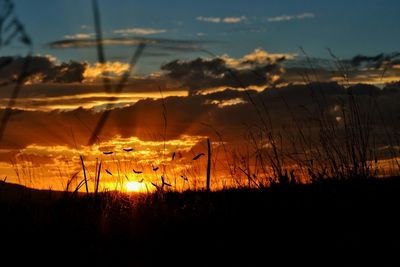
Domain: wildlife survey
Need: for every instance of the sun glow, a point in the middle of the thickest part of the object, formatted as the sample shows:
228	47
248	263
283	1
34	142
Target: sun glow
135	187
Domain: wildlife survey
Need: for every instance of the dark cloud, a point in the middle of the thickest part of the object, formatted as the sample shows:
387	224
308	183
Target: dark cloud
202	73
65	73
378	61
165	44
188	115
355	63
229	94
377	70
302	74
43	68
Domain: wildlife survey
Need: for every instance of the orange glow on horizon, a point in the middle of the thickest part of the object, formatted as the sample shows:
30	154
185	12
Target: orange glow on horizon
134	186
36	165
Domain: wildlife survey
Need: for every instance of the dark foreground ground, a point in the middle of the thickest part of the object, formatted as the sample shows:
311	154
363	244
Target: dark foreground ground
349	223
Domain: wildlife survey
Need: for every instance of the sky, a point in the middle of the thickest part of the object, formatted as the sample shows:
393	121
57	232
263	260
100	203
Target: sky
347	27
232	71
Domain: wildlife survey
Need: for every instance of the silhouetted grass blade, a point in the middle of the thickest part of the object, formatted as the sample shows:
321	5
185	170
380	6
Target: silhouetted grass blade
198	156
137	172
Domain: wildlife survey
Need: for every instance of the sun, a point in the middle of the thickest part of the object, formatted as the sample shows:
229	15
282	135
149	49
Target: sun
135	187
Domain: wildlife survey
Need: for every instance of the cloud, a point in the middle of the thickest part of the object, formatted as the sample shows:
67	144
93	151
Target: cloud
45	69
139	31
41	69
51	85
96	101
112	69
142	120
92	43
54	139
79	36
234	19
377	62
166	44
378	70
257	68
222	20
227	110
291	17
209	19
258	56
38	95
228	102
75	89
305	16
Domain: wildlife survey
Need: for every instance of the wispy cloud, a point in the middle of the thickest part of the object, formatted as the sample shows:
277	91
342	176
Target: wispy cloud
291	17
305	16
209	19
222	20
79	36
160	43
85	27
139	31
234	19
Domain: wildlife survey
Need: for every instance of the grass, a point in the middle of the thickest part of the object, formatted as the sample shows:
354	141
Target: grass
306	193
237	226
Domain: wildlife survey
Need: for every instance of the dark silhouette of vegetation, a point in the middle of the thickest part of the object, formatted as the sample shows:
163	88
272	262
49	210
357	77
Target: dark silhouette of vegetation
208	178
349	222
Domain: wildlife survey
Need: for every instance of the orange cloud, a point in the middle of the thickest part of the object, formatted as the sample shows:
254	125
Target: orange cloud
258	56
110	69
79	36
139	31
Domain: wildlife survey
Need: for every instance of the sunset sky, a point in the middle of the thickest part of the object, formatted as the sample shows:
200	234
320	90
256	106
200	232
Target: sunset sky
232	27
200	61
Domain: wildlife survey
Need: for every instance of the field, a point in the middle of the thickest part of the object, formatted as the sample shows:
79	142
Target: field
348	223
209	133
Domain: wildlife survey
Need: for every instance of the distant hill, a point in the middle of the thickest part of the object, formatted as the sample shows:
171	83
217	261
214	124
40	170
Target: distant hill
10	192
